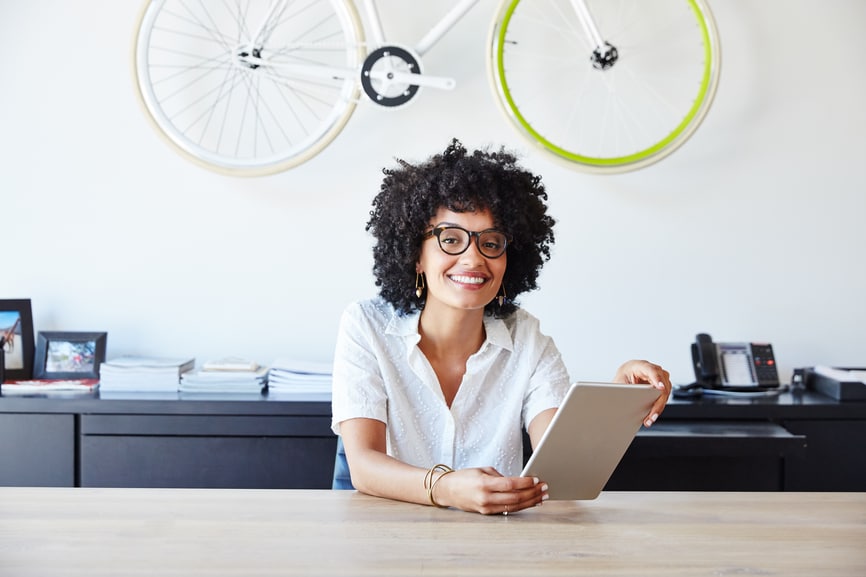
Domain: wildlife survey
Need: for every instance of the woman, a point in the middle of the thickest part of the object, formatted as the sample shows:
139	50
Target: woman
435	380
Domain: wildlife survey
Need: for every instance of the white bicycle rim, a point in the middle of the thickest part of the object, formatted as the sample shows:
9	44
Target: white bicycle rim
629	116
242	119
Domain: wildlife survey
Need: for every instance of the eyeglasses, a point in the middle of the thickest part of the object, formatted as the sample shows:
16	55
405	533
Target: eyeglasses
455	240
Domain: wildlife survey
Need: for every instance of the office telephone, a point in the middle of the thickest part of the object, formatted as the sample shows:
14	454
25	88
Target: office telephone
734	367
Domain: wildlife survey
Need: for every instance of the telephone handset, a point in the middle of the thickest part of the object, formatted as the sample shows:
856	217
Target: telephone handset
733	366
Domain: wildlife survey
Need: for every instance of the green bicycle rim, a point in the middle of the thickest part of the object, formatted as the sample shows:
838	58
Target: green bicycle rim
628	159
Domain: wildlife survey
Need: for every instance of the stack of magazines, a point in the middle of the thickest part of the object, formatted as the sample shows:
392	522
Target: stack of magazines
138	373
294	376
230	375
53	386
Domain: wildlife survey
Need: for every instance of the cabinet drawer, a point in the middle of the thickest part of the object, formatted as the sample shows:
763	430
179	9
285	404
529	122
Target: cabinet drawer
37	450
207	451
207	462
707	456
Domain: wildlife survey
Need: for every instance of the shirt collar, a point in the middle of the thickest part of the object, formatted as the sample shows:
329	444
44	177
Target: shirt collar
498	333
407	326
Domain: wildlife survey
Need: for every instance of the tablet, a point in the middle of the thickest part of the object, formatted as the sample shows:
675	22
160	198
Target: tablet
588	436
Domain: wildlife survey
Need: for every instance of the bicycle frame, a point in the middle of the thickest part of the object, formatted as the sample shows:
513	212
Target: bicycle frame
248	57
454	15
379	39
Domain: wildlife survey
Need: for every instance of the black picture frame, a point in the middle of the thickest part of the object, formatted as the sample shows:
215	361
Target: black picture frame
16	325
69	355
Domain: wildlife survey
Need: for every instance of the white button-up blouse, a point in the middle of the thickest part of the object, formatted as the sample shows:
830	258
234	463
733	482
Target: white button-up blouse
380	373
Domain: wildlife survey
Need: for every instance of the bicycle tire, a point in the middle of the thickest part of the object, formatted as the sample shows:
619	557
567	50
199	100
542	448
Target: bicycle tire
242	117
642	109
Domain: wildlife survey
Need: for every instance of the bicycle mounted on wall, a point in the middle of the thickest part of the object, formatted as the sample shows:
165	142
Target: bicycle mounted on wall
255	87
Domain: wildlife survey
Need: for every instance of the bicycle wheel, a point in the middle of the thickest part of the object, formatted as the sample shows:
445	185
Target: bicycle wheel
250	87
605	116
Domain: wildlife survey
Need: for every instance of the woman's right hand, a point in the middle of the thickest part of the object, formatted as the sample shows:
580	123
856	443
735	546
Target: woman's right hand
484	490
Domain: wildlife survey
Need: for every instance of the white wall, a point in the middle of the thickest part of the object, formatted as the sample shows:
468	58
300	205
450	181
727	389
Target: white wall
753	231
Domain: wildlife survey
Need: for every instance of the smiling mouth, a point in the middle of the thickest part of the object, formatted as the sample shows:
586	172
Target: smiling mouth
473	280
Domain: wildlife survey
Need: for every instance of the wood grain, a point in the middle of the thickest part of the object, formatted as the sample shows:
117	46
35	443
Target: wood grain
120	532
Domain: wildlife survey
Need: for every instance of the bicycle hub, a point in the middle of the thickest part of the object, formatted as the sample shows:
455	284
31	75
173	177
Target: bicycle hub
603	57
243	55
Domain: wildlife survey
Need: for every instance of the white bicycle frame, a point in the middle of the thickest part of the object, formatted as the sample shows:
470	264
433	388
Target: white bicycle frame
270	101
389	75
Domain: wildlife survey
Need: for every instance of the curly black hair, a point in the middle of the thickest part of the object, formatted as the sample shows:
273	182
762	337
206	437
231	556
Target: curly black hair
412	194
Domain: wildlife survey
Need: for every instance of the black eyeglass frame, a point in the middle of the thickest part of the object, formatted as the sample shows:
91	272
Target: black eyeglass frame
437	231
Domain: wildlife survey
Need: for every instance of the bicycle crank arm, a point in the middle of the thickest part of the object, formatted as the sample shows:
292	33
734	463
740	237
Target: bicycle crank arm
395	77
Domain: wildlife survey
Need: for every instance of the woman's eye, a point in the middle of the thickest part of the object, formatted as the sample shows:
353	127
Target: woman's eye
493	242
449	237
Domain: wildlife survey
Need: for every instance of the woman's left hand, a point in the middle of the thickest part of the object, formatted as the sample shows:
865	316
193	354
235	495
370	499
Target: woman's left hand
637	371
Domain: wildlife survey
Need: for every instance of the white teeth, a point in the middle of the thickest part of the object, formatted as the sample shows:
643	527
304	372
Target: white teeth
467	279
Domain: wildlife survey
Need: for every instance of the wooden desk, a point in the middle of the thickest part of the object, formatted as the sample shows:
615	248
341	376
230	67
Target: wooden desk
188	532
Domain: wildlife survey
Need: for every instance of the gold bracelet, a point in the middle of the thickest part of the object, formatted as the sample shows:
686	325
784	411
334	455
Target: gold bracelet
433	485
430	482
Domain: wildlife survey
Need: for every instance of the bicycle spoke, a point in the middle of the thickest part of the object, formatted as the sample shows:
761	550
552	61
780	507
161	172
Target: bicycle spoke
249	86
617	109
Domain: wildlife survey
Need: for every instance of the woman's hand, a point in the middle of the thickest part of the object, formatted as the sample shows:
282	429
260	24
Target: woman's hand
484	490
637	371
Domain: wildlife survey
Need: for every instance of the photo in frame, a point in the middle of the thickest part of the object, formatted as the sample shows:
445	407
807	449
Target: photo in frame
69	355
16	332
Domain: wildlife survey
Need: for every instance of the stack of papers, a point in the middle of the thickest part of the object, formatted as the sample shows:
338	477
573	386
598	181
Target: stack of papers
137	373
294	376
842	375
225	376
230	364
49	386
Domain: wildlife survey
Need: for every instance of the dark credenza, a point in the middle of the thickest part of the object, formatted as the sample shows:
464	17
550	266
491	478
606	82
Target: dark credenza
796	441
167	440
799	441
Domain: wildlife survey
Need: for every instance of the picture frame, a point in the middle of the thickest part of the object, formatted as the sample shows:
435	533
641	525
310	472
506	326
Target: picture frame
69	355
16	330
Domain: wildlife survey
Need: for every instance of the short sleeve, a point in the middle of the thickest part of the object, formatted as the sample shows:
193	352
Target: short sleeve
357	386
548	383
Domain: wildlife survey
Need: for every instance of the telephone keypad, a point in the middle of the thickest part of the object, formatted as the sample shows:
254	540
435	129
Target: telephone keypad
765	363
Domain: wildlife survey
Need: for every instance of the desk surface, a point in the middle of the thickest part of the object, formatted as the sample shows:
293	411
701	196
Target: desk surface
118	532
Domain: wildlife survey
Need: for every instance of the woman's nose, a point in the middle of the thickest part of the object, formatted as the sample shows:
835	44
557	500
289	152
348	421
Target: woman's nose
472	254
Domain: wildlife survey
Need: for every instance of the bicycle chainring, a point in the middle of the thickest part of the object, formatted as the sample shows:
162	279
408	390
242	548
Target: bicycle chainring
389	59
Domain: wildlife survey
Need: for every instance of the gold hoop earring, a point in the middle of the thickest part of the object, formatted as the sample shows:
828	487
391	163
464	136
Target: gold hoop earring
500	298
419	284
